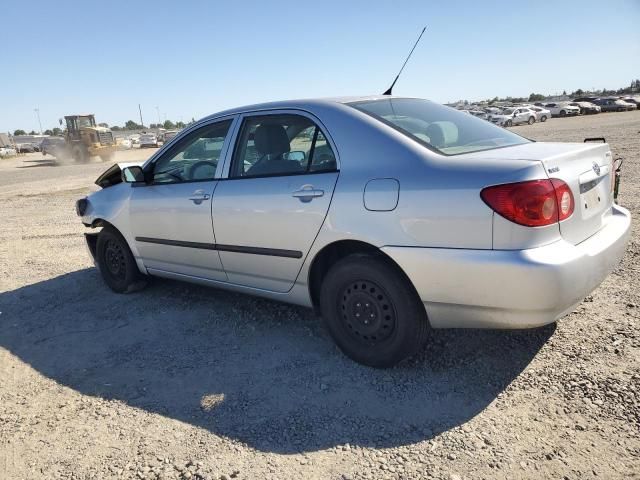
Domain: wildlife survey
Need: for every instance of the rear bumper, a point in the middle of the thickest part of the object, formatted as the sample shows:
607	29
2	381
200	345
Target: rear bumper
464	288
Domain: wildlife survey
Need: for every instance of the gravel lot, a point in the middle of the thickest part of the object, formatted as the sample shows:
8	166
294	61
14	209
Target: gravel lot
180	381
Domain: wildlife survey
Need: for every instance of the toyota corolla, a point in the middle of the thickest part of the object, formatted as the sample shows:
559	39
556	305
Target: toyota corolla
390	216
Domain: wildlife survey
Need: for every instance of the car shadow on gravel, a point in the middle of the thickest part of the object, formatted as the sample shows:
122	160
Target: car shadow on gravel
252	370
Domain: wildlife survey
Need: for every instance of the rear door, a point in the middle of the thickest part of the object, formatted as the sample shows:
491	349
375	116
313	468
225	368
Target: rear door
171	215
269	210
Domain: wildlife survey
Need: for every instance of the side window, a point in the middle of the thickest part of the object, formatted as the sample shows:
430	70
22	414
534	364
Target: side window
323	158
280	145
194	158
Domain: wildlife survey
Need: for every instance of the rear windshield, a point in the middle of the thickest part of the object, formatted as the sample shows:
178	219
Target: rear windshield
440	128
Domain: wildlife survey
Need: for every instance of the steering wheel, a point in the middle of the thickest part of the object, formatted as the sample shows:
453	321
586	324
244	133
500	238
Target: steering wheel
199	166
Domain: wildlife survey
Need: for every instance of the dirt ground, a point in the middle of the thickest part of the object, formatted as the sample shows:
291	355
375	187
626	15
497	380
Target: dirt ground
180	381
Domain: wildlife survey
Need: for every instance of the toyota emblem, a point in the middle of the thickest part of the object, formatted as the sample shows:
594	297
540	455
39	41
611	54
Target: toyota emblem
596	168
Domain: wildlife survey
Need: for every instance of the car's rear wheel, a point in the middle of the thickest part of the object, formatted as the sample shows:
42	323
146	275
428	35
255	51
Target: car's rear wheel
543	118
116	263
508	123
563	113
532	120
372	311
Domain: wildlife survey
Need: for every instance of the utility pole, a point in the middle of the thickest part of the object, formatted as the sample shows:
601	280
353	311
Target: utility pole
140	110
158	110
37	110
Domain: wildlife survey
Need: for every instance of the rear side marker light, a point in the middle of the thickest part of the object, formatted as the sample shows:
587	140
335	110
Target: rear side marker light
535	203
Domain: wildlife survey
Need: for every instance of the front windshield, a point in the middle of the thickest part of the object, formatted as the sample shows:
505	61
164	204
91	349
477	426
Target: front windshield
440	128
508	111
85	122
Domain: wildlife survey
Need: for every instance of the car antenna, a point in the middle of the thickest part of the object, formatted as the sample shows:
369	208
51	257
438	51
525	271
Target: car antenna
388	92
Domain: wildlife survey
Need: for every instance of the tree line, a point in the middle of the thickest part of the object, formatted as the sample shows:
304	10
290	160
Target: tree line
129	125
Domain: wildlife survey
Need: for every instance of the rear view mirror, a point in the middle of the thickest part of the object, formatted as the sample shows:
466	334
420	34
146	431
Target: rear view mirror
132	175
296	156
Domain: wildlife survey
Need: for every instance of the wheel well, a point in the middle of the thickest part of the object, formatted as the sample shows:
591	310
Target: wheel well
99	222
334	252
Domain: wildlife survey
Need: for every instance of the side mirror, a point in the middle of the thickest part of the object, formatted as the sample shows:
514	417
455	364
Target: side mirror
296	156
132	175
514	114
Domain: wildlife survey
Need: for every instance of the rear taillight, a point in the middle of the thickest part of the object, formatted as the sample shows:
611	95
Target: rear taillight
535	203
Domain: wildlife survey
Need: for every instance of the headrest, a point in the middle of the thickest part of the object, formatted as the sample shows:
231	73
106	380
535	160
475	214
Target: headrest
271	139
442	134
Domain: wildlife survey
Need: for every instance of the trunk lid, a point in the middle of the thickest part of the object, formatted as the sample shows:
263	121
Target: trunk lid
584	167
587	170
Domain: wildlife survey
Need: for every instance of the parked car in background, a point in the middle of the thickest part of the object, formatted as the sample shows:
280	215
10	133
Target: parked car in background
25	148
148	140
542	114
135	140
52	145
492	111
514	116
585	99
7	151
634	100
562	109
586	108
438	219
169	134
613	105
123	143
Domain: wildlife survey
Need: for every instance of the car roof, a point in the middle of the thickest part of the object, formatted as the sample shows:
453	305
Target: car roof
304	103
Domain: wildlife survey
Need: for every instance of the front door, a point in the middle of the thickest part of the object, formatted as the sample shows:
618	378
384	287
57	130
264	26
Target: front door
171	214
270	209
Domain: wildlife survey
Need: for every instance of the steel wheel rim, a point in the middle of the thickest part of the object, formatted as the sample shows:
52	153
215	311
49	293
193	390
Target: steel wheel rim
367	313
114	259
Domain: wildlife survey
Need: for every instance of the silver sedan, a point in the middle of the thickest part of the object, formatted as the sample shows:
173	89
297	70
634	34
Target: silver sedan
390	216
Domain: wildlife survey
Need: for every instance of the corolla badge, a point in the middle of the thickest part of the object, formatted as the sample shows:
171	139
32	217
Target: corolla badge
596	168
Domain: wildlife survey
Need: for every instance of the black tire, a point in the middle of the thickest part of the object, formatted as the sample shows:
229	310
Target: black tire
532	120
372	311
116	263
508	123
563	113
543	118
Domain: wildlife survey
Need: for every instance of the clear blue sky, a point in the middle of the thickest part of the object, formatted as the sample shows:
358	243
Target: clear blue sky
193	58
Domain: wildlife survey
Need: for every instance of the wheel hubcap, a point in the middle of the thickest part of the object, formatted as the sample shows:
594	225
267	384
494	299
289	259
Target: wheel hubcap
367	313
114	259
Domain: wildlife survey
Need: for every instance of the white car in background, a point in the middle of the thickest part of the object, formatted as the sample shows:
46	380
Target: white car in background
135	140
561	109
477	113
148	140
7	152
124	143
514	116
542	114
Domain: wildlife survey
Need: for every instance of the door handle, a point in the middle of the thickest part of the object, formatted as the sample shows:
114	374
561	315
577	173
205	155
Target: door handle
306	193
199	196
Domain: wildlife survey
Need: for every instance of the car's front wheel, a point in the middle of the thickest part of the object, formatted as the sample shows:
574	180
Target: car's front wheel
563	113
508	123
543	118
116	263
372	311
